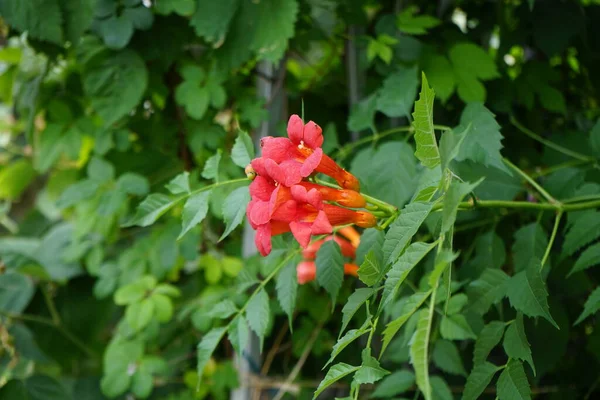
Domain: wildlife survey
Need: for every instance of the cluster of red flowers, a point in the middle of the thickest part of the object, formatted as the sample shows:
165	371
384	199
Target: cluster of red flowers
306	270
283	200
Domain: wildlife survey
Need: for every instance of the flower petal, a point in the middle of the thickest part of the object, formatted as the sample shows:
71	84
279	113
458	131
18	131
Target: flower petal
258	164
278	149
306	271
321	224
291	170
299	193
312	162
274	171
249	211
285	212
315	199
263	239
301	232
260	213
313	135
261	188
295	129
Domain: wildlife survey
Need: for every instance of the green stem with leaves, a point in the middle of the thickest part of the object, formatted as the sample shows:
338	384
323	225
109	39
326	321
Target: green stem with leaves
552	237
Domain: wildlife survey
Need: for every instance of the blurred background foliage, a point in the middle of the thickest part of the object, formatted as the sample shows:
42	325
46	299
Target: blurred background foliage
105	101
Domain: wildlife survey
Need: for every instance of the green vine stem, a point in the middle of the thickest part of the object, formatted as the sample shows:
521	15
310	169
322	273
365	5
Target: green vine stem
552	237
531	181
465	205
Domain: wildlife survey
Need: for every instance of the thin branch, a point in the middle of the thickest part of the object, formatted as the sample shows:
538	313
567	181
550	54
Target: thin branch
531	181
552	237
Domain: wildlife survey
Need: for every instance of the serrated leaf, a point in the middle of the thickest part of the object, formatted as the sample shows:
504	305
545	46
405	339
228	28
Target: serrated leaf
440	389
530	244
447	358
442	260
403	229
194	211
348	338
362	114
582	232
206	347
427	149
223	309
211	19
396	96
258	314
330	268
513	383
370	371
151	209
515	342
456	303
588	258
242	151
335	373
234	209
211	167
394	384
368	239
479	379
410	306
286	287
488	338
454	195
450	144
402	268
419	351
412	24
40	19
527	293
238	334
354	303
179	184
370	271
592	305
488	289
473	60
456	327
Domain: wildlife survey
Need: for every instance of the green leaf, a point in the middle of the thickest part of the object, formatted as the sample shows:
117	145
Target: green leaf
206	347
473	60
287	287
370	371
163	307
370	271
440	74
442	260
456	303
116	31
16	291
482	142
276	20
419	351
595	139
238	334
479	379
185	8
139	315
134	184
410	306
489	337
242	151
100	171
348	338
15	178
335	373
195	99
194	211
258	314
179	184
36	387
140	16
440	389
394	384
456	327
396	96
115	84
370	238
454	195
211	167
151	209
142	384
132	293
234	209
211	19
513	383
427	149
529	245
410	24
450	144
488	289
582	232
41	19
330	268
223	309
516	344
447	358
362	114
527	293
354	303
592	305
403	229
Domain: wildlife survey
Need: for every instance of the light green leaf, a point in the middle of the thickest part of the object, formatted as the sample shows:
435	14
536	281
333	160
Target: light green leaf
394	384
447	358
179	184
403	229
479	379
16	291
588	258
100	170
473	60
530	244
455	194
396	96
456	327
592	305
330	268
582	232
412	24
335	373
223	309
370	371
134	184
456	303
258	314
234	209
410	306
131	293
450	144
286	287
428	185
348	338
513	383
211	167
442	261
527	293
139	315
195	99
242	151
194	211
370	271
419	352
163	307
489	337
427	149
515	342
15	178
141	384
238	334
206	347
354	303
488	289
151	209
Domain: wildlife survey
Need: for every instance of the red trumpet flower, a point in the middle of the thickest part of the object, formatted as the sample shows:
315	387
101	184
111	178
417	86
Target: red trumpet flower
306	271
348	250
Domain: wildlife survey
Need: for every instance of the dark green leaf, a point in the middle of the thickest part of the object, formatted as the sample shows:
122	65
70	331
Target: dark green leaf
595	139
410	306
330	268
242	151
419	352
530	244
515	342
513	383
489	337
354	303
335	373
592	305
370	371
488	289
287	286
403	229
454	195
258	314
582	232
16	291
370	271
456	327
398	93
206	347
394	384
479	379
447	358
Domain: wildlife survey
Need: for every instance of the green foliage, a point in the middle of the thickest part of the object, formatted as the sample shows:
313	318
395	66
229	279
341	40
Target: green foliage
330	268
427	150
